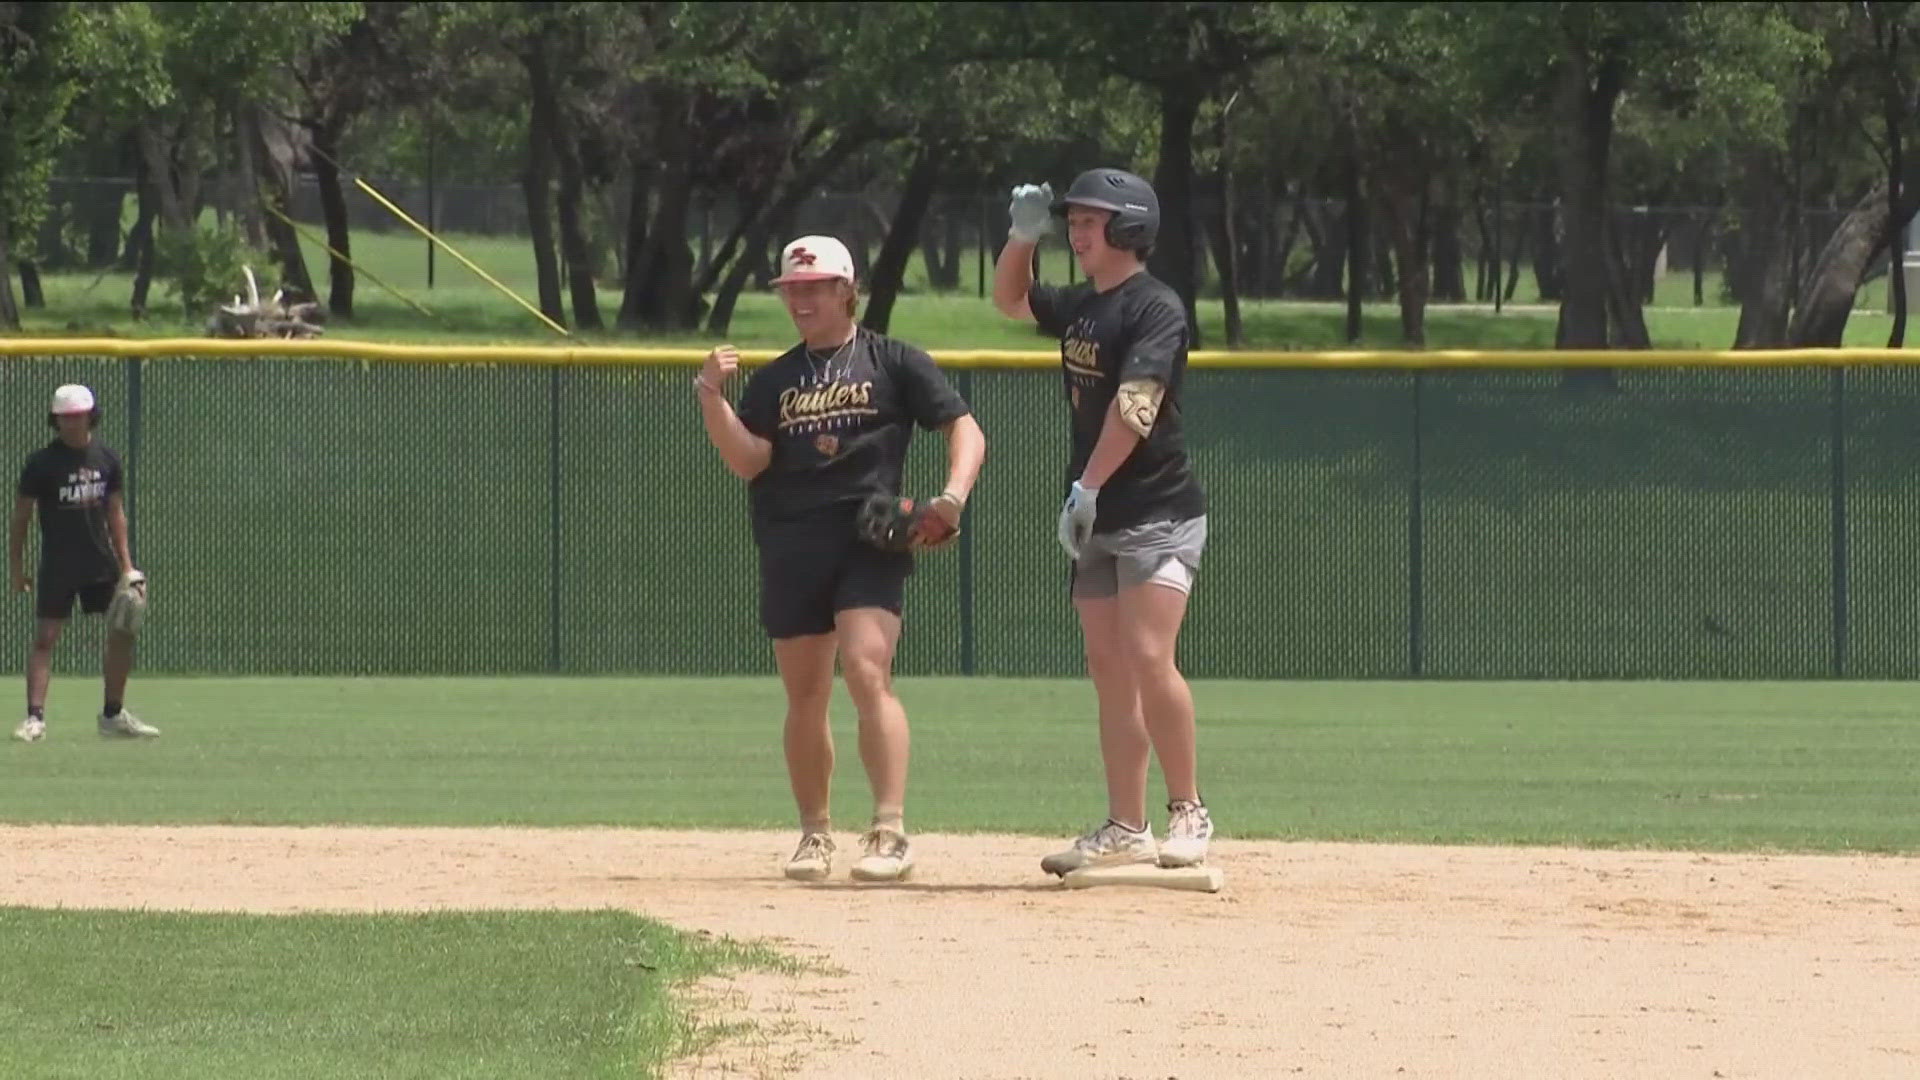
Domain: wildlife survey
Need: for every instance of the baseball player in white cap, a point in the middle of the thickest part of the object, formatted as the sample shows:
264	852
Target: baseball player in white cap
821	438
75	482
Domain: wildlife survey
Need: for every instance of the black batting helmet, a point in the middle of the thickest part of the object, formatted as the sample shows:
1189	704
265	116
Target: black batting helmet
1136	209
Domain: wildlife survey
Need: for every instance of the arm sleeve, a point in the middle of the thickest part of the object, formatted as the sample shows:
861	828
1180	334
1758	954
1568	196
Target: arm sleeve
1158	342
1045	303
925	390
28	486
116	474
756	406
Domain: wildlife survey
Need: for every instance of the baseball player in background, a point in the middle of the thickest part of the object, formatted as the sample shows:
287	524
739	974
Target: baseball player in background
75	483
1134	519
821	439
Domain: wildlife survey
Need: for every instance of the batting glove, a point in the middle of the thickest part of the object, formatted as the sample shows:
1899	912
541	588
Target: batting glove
1076	519
1032	212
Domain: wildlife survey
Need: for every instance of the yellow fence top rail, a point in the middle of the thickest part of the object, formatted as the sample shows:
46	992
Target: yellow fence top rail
157	348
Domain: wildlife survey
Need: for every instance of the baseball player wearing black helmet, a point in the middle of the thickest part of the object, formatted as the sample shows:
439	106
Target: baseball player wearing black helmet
1134	522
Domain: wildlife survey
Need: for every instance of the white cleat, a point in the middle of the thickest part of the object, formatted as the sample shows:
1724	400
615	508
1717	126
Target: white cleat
813	859
32	729
1111	844
888	856
1189	827
125	725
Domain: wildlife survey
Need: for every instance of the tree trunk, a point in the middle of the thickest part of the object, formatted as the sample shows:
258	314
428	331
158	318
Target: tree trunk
667	275
752	263
1585	110
101	208
9	311
537	182
1359	243
1226	258
1329	239
247	194
31	294
156	155
1172	260
573	241
273	187
1449	263
639	213
1895	114
903	233
333	209
1761	274
1549	273
1827	298
941	250
1404	196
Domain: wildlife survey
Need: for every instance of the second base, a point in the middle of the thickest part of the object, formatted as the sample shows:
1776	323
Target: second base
1193	878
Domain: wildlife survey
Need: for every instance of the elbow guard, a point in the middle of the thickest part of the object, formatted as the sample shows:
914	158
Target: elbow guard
1139	403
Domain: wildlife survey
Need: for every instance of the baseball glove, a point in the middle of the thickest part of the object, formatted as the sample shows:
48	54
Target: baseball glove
896	524
129	606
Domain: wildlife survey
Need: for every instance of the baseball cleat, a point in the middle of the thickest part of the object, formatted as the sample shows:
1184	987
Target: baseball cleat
813	859
32	729
125	725
1110	844
888	856
1189	827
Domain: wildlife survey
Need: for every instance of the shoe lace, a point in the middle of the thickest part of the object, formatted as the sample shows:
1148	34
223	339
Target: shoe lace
814	844
885	843
1186	818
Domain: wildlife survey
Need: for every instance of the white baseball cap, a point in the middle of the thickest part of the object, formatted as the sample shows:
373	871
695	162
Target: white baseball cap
72	398
815	258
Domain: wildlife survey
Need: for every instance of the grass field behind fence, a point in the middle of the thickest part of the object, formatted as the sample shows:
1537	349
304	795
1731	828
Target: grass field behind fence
92	994
466	309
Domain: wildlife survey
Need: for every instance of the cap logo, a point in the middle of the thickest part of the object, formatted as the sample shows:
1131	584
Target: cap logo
803	257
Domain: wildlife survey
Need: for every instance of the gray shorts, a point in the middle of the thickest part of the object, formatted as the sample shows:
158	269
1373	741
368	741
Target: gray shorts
1163	552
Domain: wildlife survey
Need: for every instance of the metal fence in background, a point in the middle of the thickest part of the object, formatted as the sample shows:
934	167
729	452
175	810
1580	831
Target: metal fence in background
336	516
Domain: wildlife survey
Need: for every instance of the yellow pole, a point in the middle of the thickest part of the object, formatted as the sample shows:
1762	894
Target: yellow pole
303	231
402	215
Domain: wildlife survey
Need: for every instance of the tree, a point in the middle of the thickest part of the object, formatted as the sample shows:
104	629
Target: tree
37	85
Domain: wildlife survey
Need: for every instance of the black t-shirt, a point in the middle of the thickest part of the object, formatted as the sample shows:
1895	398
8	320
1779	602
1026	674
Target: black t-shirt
71	487
1135	330
840	423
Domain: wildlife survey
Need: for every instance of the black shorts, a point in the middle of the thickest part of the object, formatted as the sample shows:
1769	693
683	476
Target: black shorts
55	598
812	570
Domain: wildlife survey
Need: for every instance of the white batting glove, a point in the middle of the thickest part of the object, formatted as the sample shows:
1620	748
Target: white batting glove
1032	212
1076	519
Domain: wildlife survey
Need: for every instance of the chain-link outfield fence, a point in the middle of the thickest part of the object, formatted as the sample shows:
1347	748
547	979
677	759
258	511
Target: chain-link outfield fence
1686	516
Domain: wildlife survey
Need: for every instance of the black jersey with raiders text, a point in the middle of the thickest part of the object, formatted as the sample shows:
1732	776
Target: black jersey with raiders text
1135	330
70	488
840	422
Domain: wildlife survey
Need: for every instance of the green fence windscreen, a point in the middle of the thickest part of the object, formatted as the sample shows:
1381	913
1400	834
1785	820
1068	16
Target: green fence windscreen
342	517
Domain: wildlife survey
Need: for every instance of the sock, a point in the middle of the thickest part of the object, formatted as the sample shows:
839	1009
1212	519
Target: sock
888	817
821	824
112	710
38	712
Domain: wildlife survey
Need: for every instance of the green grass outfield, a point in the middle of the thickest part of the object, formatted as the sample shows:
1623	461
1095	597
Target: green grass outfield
1723	766
467	310
1712	766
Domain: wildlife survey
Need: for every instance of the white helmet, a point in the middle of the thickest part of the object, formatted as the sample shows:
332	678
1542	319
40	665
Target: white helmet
72	398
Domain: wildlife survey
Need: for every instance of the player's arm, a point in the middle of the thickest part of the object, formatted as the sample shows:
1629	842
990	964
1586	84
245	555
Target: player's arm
747	455
117	531
1129	421
1032	214
17	542
966	452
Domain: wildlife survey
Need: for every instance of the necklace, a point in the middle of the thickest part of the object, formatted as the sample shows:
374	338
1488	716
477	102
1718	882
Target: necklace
822	366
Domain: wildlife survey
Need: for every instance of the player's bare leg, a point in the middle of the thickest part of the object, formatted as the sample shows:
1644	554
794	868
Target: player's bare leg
1151	614
46	634
868	638
119	664
1123	735
806	671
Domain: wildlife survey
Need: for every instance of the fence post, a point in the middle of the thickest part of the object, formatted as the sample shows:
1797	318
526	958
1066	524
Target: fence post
966	556
553	520
134	366
1838	411
1415	514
